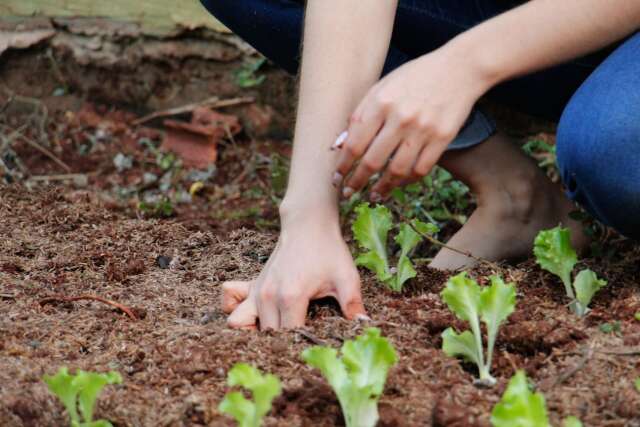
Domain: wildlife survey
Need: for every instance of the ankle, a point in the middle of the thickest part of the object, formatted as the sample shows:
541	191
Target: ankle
514	198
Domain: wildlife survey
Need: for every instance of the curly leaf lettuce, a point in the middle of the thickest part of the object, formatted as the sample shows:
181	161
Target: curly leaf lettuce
586	285
519	406
408	239
358	376
468	301
263	388
371	229
80	390
554	253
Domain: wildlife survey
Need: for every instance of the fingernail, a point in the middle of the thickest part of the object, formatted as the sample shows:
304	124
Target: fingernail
362	318
340	140
337	179
375	197
347	192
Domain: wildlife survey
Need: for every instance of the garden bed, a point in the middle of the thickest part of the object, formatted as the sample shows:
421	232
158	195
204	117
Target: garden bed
174	350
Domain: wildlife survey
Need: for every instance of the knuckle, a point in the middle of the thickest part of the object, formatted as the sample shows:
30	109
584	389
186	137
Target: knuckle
371	165
421	169
383	100
406	118
397	172
266	293
354	150
289	298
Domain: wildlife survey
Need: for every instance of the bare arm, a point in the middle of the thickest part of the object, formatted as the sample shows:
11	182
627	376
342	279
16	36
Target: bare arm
395	115
345	46
543	33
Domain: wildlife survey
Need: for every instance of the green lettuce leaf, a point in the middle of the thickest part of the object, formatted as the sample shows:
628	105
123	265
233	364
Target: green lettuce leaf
519	406
571	422
90	385
586	285
81	389
370	230
555	254
408	239
497	302
263	388
61	385
460	345
358	377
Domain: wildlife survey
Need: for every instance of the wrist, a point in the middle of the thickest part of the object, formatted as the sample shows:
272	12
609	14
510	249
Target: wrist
477	59
317	212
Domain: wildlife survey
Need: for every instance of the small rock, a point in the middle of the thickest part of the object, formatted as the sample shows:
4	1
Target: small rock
163	261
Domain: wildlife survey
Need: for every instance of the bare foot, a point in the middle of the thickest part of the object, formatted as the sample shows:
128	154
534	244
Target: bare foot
515	201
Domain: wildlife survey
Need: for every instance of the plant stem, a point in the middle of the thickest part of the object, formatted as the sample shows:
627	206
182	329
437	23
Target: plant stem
437	242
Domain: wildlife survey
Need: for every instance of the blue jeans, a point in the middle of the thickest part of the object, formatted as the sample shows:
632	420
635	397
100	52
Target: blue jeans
595	99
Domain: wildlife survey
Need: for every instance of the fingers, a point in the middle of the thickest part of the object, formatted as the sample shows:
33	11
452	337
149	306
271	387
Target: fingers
400	169
374	160
267	307
363	128
244	316
293	310
428	158
233	293
350	298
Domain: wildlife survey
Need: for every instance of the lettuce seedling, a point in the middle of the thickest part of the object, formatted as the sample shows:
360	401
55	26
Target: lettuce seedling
468	301
554	253
263	388
371	229
80	390
358	376
520	407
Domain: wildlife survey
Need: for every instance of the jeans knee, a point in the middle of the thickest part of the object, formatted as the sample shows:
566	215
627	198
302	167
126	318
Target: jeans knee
599	163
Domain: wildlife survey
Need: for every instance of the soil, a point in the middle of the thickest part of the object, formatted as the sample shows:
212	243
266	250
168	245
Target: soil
174	349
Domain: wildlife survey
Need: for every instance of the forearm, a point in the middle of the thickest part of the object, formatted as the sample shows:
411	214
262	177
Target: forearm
345	45
543	33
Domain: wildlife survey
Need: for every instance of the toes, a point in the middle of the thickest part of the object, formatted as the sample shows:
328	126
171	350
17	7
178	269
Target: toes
233	293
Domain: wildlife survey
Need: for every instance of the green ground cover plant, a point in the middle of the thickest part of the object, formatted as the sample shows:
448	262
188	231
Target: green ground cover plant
358	375
554	253
263	387
80	392
491	305
371	229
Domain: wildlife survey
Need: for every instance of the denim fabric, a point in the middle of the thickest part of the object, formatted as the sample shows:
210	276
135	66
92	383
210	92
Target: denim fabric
596	98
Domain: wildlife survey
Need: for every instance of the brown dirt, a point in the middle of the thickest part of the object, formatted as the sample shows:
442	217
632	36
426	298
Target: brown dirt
175	358
65	241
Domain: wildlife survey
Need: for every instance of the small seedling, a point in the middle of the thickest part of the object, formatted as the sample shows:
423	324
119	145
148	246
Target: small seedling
611	328
637	384
637	316
554	253
246	76
521	407
371	229
163	208
358	376
468	301
263	388
80	391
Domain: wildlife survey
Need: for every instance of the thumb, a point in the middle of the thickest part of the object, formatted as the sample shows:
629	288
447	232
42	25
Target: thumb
233	293
350	298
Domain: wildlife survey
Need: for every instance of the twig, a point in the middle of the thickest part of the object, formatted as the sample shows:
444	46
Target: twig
586	355
308	335
213	102
63	298
47	153
444	245
625	351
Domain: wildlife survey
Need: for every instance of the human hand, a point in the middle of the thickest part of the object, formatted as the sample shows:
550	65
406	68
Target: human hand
310	261
406	121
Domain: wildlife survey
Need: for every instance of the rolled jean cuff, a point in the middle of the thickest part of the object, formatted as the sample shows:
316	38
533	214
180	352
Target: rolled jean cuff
477	129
